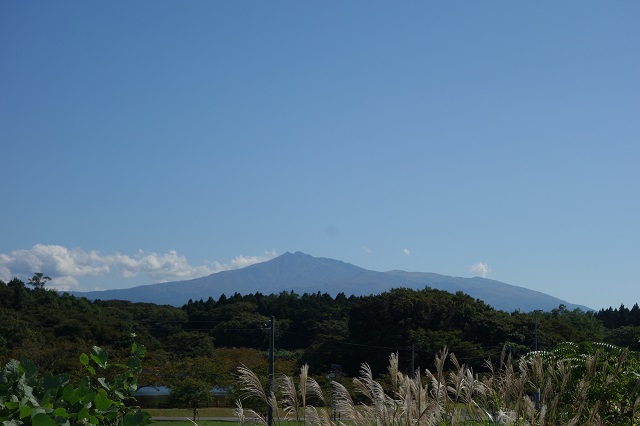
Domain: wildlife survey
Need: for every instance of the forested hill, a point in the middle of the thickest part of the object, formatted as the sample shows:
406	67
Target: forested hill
316	328
303	273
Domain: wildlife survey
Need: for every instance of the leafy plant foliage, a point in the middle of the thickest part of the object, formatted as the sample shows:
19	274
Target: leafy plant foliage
30	398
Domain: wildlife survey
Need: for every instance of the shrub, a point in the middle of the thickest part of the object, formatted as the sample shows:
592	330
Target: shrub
29	398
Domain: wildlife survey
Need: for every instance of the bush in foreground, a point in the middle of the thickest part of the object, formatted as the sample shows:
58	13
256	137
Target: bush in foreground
29	398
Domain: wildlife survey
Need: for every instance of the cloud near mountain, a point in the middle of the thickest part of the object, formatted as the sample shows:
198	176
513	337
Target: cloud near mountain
66	265
481	269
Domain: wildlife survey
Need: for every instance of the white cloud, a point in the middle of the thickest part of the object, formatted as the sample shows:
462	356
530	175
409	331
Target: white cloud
244	261
66	283
367	250
5	273
406	252
160	267
481	269
65	265
66	262
52	260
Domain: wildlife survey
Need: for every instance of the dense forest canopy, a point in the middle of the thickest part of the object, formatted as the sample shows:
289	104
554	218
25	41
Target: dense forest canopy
207	339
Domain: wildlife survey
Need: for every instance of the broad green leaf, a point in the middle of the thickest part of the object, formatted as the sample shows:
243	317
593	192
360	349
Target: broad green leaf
55	382
25	411
84	359
70	395
138	351
38	410
88	397
83	386
28	368
135	364
83	414
103	382
102	401
134	386
99	356
42	419
111	414
61	412
11	405
46	400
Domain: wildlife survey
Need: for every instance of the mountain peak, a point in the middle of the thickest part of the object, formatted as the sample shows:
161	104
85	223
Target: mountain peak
302	273
294	255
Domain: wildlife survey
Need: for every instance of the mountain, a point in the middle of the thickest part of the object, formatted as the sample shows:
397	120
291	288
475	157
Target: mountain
302	273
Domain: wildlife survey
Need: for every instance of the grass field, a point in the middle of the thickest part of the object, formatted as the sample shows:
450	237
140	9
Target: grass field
188	412
190	423
184	417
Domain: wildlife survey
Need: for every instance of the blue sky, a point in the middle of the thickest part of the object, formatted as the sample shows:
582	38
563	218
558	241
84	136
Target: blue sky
159	140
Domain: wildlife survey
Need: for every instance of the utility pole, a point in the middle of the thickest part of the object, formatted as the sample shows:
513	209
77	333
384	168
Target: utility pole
535	314
272	333
413	361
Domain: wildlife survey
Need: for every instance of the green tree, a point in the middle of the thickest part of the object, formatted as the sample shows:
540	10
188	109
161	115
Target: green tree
39	280
190	343
191	381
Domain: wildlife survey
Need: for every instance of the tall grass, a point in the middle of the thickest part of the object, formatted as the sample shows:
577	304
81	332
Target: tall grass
570	385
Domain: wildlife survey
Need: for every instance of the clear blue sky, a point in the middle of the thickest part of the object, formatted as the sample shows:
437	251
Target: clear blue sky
158	140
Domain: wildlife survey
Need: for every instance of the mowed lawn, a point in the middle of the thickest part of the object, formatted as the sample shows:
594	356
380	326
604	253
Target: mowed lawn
184	417
188	412
178	422
190	423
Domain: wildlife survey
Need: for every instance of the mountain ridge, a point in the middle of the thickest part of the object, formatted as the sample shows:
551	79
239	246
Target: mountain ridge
302	273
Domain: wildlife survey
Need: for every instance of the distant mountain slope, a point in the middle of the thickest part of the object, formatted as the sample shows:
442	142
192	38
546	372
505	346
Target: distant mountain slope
303	273
502	296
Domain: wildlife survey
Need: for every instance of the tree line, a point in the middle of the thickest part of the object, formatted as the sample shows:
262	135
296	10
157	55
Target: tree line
205	340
